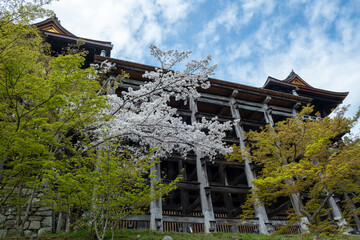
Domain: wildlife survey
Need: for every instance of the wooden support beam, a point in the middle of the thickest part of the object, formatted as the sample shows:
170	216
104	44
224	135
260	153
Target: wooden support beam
213	101
228	189
192	174
227	196
267	114
251	123
210	116
184	195
336	212
236	211
205	197
259	208
238	179
281	208
187	186
156	216
194	204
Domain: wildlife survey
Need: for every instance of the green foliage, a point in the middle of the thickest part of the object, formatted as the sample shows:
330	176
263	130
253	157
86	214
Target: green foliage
105	186
48	107
298	157
155	235
44	102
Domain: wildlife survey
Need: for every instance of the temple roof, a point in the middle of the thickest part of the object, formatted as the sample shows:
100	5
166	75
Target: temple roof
294	84
60	38
218	87
52	26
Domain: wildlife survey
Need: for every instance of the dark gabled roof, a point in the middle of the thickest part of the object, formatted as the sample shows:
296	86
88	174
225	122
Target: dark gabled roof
293	78
295	82
324	100
219	87
52	27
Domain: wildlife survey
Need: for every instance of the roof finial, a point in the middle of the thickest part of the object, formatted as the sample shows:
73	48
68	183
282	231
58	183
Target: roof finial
292	73
56	18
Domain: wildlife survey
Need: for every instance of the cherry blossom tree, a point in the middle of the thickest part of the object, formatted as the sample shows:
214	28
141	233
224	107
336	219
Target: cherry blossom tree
145	117
141	122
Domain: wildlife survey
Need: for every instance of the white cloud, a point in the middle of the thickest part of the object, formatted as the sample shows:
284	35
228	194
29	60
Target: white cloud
249	39
174	10
130	25
226	19
322	12
251	7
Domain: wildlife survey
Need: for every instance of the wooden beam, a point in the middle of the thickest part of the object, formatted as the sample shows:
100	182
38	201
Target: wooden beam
205	198
228	189
259	208
238	179
213	101
194	204
188	186
156	217
279	209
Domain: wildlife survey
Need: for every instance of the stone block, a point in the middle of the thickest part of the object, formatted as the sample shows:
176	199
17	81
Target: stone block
35	218
26	224
45	230
44	209
3	233
2	218
12	233
34	225
10	211
10	224
44	213
46	222
29	233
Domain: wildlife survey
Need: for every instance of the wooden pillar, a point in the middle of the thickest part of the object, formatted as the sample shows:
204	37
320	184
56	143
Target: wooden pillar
336	212
260	211
156	213
205	194
184	194
267	111
227	197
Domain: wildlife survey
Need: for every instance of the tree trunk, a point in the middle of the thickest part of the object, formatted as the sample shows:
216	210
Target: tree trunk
59	223
20	222
353	209
67	226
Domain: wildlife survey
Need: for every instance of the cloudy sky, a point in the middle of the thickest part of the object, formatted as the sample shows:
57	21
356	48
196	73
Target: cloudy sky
248	39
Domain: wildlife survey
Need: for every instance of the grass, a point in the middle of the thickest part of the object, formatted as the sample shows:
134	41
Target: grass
126	234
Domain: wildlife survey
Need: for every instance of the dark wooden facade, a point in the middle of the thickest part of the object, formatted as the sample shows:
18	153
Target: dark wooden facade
59	38
210	196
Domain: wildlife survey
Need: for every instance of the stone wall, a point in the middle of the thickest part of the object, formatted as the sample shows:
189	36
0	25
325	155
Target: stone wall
38	223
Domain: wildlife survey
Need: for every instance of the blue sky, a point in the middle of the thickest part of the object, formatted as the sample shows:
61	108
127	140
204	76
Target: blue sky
248	39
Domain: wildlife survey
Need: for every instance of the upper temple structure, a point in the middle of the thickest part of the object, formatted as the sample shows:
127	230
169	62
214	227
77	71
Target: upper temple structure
210	194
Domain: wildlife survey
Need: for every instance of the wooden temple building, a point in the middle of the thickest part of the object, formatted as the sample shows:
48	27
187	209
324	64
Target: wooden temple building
210	195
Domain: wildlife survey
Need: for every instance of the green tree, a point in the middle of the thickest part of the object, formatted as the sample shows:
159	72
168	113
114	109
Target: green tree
49	107
44	102
103	187
308	160
86	151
